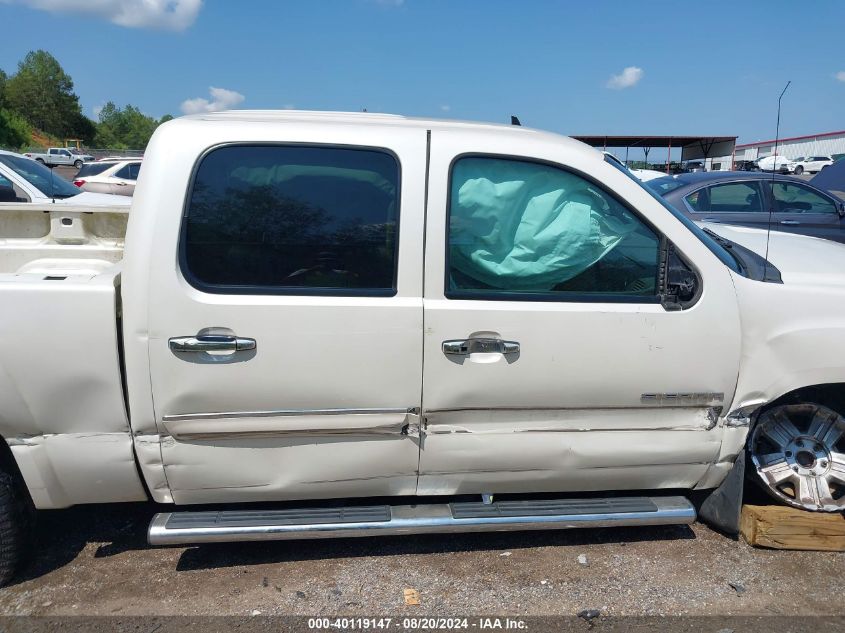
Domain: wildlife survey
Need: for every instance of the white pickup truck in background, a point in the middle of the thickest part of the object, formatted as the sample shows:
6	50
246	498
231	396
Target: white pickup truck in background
55	156
348	307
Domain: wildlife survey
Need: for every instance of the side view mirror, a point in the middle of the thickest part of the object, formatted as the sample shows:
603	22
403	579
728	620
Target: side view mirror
841	208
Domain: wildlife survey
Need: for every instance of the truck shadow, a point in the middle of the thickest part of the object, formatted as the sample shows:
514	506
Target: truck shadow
219	555
62	535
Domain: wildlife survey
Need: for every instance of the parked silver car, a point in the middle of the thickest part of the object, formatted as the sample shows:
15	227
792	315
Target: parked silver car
117	177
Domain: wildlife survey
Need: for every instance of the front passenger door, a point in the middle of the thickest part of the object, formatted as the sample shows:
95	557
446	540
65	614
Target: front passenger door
549	361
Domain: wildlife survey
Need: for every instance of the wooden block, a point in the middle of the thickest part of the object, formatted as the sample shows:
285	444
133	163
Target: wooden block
781	527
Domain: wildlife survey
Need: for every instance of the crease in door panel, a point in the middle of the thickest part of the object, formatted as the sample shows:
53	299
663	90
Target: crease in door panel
422	421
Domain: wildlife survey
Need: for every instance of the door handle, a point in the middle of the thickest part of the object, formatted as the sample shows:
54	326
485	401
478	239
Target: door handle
790	222
211	343
465	347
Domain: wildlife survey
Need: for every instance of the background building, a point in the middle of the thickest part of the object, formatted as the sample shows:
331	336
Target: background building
825	144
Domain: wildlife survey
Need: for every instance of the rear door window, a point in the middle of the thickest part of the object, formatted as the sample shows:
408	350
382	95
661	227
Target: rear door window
282	219
123	172
732	197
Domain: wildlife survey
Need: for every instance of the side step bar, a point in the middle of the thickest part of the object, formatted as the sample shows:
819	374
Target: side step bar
173	528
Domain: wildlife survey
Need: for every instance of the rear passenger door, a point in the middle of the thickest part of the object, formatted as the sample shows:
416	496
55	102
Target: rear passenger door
285	345
741	203
801	209
122	182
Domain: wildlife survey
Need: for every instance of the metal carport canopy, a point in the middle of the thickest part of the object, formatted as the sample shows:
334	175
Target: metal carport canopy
692	147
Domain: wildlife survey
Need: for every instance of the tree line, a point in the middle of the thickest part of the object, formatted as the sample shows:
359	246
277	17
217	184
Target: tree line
39	98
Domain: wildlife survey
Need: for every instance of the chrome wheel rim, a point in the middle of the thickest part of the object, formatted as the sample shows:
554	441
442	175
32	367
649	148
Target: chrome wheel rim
798	451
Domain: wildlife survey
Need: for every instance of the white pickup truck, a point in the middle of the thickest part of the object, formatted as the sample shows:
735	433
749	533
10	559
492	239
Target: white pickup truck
61	156
431	326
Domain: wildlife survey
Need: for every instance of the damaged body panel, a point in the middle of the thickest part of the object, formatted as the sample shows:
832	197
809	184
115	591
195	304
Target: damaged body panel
565	450
604	392
325	401
61	402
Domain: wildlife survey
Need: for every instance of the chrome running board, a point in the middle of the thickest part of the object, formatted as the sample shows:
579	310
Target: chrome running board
174	528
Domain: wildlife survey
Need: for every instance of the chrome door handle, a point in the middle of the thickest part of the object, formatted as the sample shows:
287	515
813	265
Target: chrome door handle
211	343
790	222
465	347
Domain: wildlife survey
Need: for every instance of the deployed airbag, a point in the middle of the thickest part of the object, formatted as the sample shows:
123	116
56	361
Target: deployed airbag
527	226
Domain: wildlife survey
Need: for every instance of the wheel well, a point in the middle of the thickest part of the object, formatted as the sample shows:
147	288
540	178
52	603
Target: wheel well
8	464
831	395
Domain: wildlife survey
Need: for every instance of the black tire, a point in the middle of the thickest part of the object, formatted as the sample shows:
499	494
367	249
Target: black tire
17	519
77	164
799	170
40	160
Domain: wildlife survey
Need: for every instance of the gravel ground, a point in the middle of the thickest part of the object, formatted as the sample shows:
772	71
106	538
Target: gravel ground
94	561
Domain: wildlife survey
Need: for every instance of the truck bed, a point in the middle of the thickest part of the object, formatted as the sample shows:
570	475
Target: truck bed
55	240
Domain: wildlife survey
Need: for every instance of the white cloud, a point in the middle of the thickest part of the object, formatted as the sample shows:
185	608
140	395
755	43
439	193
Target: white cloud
221	99
840	75
97	109
629	77
289	106
172	15
445	108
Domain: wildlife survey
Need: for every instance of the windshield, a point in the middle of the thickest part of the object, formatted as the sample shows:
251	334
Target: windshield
726	258
40	177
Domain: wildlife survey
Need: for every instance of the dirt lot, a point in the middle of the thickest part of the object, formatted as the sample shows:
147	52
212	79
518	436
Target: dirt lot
94	560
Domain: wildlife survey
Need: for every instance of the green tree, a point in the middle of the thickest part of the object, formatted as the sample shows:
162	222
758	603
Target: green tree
14	130
3	79
126	128
42	93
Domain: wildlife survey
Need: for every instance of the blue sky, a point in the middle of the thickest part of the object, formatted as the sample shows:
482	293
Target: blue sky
698	67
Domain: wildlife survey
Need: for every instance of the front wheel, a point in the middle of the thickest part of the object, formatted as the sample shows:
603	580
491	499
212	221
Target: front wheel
799	170
799	456
16	526
77	164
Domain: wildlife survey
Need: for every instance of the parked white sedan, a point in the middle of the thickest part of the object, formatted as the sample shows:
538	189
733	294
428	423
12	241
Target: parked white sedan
116	177
24	180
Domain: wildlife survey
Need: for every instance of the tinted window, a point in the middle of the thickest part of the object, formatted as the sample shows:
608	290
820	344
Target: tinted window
731	197
92	169
293	220
522	230
134	170
39	176
124	172
795	198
